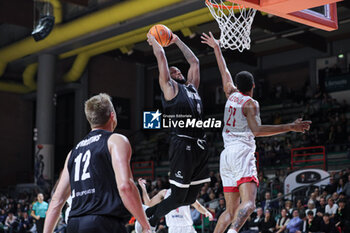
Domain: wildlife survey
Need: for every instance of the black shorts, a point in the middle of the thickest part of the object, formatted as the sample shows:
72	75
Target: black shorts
188	162
94	224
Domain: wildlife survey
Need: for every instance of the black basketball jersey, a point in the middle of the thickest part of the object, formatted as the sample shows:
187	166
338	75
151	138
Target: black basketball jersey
92	179
186	105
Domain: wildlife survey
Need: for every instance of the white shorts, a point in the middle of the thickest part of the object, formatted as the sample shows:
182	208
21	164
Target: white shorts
182	229
238	166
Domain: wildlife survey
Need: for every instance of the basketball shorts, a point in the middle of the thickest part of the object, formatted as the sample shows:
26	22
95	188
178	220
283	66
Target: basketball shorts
95	223
238	166
188	162
181	229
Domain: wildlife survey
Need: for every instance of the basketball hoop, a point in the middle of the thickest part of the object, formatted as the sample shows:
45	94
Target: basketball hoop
235	23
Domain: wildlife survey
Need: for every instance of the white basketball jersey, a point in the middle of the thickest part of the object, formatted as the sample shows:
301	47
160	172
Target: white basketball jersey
178	217
236	128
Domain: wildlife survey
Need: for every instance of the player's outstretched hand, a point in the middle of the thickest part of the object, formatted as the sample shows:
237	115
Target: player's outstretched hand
300	126
151	39
209	215
210	40
174	39
142	183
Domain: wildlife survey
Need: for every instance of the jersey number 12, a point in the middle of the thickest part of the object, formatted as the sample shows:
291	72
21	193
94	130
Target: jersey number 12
77	161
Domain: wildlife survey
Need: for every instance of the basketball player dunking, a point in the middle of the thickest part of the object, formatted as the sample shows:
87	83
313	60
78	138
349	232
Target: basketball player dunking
187	151
237	161
97	175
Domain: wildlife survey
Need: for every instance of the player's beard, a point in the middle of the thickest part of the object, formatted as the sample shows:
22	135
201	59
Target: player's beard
182	81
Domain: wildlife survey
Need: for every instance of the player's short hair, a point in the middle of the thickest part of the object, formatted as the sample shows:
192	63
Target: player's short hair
310	213
98	109
244	81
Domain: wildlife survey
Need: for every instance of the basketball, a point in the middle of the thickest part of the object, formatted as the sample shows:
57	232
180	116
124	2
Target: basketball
162	34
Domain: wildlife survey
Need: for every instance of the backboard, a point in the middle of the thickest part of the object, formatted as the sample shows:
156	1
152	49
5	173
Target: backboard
315	13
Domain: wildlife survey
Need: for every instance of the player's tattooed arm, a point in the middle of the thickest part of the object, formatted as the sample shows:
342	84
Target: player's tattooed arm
193	75
227	82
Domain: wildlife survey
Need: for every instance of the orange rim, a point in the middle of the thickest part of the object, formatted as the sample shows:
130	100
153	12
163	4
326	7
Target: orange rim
235	7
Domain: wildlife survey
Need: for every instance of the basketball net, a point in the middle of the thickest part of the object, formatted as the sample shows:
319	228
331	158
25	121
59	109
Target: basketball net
235	23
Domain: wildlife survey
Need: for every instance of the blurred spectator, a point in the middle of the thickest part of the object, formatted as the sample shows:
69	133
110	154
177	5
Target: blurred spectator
196	216
253	223
342	216
322	208
268	224
331	207
159	184
282	222
331	187
295	223
300	206
303	218
268	203
327	225
311	207
313	223
280	203
335	197
221	208
26	223
263	185
214	203
341	184
313	198
11	222
204	197
347	187
289	208
3	216
213	179
217	189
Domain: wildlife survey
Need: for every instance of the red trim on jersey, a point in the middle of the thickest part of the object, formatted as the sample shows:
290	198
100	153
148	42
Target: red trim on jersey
248	180
241	181
231	190
244	94
244	105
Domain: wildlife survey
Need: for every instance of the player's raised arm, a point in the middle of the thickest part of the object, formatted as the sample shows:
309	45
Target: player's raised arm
58	200
166	83
193	75
227	82
120	150
148	201
251	111
201	209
